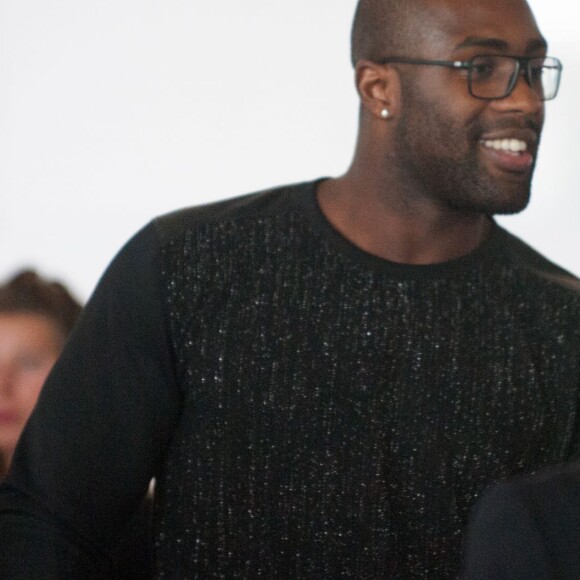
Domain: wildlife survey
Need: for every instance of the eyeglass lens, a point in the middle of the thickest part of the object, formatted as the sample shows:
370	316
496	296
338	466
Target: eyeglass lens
494	76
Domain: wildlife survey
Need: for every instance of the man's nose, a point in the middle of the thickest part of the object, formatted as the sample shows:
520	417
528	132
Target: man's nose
524	97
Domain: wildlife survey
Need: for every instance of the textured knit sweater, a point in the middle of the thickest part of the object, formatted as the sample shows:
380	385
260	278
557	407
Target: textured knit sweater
309	411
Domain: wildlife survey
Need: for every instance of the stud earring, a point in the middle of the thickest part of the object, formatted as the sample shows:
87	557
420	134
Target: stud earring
385	113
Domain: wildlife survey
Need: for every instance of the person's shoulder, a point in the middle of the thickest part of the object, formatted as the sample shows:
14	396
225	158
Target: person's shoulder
552	495
526	527
253	206
527	258
551	482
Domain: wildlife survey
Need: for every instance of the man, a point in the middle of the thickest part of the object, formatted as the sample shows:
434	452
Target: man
322	378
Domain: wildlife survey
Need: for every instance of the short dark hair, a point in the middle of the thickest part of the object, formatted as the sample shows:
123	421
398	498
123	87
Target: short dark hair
29	293
382	28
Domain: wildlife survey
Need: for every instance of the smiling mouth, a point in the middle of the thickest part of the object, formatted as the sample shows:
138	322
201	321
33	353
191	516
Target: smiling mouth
509	155
510	146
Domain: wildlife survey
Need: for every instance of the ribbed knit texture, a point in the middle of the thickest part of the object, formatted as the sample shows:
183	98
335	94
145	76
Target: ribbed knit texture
341	413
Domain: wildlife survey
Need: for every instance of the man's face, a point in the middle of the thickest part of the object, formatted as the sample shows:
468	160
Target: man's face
457	149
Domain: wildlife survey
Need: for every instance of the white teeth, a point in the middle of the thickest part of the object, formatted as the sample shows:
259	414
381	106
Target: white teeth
508	145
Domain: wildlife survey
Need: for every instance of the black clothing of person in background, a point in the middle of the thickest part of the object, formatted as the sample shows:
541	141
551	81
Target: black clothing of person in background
309	410
527	529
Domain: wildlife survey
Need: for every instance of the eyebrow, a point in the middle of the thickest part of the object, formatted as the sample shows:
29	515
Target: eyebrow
498	44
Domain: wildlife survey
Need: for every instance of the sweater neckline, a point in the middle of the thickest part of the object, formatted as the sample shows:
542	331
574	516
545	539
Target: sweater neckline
487	251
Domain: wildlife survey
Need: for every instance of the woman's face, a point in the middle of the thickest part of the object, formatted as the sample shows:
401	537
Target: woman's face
29	346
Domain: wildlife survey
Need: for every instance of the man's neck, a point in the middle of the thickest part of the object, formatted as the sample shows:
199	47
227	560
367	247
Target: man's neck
396	228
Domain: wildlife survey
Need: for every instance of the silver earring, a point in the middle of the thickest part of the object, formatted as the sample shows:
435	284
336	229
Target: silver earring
385	113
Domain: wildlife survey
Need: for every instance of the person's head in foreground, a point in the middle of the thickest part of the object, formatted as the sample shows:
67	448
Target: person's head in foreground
36	316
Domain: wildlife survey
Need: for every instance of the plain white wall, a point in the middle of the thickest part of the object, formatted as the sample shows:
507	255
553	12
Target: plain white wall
113	111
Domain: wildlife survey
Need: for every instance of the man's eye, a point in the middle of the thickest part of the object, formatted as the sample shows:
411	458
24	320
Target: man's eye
482	69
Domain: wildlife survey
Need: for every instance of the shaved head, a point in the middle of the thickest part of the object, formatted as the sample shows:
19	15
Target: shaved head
383	28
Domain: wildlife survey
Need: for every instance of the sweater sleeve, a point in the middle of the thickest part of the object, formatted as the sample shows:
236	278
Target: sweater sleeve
99	430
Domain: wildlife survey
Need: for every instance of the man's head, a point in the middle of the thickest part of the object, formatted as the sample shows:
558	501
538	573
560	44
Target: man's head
457	150
383	27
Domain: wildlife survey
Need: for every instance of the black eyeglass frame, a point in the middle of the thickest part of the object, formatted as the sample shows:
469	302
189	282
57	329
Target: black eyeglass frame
522	63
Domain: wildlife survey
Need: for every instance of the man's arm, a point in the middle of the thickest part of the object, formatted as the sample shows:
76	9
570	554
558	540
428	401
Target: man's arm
99	429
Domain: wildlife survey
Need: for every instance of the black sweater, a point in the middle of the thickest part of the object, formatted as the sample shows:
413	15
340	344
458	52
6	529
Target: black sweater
309	410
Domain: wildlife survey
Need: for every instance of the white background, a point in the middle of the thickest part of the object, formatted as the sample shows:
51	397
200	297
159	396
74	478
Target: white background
113	111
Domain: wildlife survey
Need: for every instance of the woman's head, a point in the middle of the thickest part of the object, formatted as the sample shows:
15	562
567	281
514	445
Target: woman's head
36	316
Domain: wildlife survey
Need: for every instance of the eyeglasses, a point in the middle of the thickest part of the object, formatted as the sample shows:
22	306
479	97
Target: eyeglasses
494	76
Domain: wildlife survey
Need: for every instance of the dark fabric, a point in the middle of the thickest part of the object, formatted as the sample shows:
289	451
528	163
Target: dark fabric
133	555
308	410
528	529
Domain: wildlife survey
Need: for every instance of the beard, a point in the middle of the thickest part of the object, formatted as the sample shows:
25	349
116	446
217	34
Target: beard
441	159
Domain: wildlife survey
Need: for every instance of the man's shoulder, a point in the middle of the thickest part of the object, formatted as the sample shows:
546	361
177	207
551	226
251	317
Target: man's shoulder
275	201
527	258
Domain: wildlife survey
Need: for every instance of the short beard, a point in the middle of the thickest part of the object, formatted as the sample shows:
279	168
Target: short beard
437	165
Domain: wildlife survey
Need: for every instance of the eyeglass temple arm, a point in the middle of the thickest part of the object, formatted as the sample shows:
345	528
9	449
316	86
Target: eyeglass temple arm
447	63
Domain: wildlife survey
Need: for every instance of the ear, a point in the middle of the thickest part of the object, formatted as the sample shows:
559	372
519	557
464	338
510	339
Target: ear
378	87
